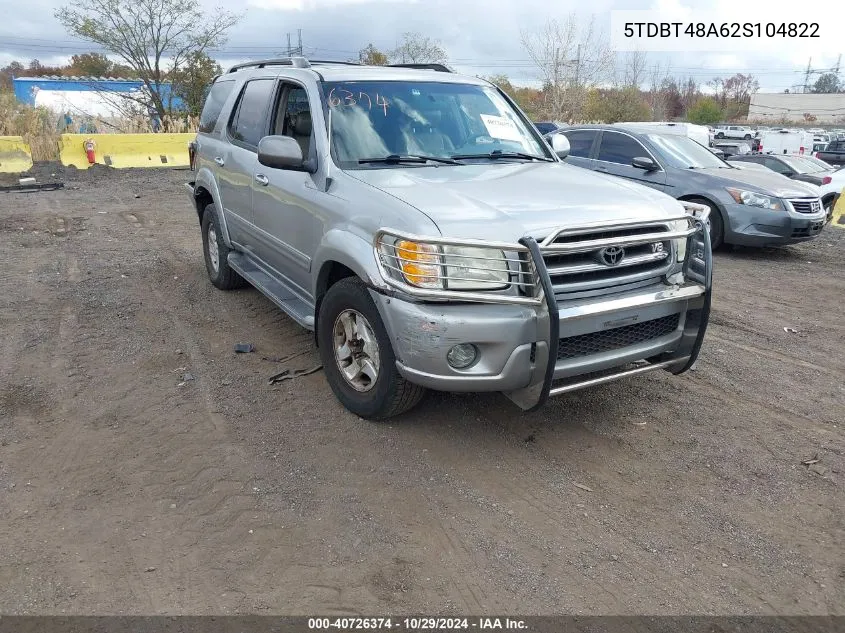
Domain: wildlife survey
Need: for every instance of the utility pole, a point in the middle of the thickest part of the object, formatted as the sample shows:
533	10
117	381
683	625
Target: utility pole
807	76
289	49
300	42
578	66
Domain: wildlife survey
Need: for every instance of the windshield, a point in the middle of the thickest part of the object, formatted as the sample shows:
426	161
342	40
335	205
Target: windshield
822	165
377	119
801	165
684	153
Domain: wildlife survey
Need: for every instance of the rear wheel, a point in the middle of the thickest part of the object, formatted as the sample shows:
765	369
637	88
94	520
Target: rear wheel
216	253
357	356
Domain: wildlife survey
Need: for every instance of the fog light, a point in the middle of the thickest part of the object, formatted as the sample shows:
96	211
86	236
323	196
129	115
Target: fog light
462	355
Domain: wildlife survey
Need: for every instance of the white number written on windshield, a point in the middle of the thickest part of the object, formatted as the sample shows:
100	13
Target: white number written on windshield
341	98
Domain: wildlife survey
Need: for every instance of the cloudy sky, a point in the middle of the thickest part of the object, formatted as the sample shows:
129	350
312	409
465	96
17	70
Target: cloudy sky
481	37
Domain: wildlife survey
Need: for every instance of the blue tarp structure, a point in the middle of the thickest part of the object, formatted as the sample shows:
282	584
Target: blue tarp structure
26	87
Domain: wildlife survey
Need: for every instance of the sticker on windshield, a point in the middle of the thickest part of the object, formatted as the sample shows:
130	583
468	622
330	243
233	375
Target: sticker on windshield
501	128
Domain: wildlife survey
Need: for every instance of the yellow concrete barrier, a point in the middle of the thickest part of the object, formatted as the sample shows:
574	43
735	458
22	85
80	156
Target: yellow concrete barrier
126	150
839	212
15	155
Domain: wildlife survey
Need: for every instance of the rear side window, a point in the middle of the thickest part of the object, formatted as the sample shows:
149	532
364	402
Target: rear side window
249	123
620	148
580	142
214	105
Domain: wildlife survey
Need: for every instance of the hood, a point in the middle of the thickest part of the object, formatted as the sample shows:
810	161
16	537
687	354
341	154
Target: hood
505	201
773	184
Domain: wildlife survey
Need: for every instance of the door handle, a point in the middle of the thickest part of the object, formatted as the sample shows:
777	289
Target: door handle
219	160
262	180
601	168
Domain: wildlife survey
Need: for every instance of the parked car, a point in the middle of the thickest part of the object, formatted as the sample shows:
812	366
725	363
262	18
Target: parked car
734	131
733	148
747	207
834	153
786	142
830	182
699	133
416	220
547	127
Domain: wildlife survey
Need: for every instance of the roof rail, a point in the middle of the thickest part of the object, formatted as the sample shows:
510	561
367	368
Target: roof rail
334	61
296	62
441	68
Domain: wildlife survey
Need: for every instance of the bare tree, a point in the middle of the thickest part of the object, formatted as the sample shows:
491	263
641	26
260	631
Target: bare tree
153	37
657	94
635	69
415	48
570	59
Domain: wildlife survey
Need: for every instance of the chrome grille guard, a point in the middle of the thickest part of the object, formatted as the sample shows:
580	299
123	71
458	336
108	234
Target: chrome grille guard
528	275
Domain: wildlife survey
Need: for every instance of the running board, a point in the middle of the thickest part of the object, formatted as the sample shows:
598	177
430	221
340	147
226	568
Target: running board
273	288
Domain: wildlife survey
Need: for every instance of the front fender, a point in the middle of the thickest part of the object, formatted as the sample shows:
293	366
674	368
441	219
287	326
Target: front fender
353	251
205	179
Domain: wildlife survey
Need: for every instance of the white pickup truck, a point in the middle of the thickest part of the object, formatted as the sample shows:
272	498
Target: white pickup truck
735	131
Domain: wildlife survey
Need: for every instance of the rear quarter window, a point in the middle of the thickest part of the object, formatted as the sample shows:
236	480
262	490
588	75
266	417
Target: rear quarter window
214	103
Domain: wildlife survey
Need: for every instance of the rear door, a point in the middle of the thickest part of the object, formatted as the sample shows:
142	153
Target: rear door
237	163
617	151
582	144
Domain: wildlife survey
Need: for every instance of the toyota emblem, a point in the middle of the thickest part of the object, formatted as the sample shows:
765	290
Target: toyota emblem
612	255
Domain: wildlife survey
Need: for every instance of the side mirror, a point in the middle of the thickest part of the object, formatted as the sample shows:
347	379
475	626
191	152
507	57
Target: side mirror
281	152
642	162
560	145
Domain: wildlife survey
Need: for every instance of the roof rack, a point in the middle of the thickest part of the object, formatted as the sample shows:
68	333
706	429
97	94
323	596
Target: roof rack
441	68
296	62
334	61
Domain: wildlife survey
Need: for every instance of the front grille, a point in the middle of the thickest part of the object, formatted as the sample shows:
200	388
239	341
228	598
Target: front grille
617	338
577	272
807	205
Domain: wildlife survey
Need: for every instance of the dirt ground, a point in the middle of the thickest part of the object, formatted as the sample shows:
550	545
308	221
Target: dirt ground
125	488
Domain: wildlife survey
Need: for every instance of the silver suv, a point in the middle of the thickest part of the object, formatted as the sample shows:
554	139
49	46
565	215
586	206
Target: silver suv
417	222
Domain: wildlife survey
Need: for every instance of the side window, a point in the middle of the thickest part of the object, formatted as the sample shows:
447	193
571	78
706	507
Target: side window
620	148
776	165
580	142
214	105
293	117
249	123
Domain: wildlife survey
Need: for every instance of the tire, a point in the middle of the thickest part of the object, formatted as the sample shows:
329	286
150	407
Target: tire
216	253
717	228
388	394
720	135
747	137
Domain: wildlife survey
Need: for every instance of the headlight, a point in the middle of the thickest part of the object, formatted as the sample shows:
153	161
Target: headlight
471	268
753	199
446	267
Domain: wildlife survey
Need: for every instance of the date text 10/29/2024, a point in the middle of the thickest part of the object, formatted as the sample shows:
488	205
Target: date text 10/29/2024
415	624
723	30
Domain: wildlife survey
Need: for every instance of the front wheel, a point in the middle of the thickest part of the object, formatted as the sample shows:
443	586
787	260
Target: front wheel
717	229
357	356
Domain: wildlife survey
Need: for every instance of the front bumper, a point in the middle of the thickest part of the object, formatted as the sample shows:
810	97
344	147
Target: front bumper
525	351
753	226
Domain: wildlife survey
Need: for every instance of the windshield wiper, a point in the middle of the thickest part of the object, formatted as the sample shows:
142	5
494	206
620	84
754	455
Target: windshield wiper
497	153
395	159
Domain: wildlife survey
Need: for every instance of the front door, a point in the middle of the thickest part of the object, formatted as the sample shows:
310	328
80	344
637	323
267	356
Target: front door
287	219
616	154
